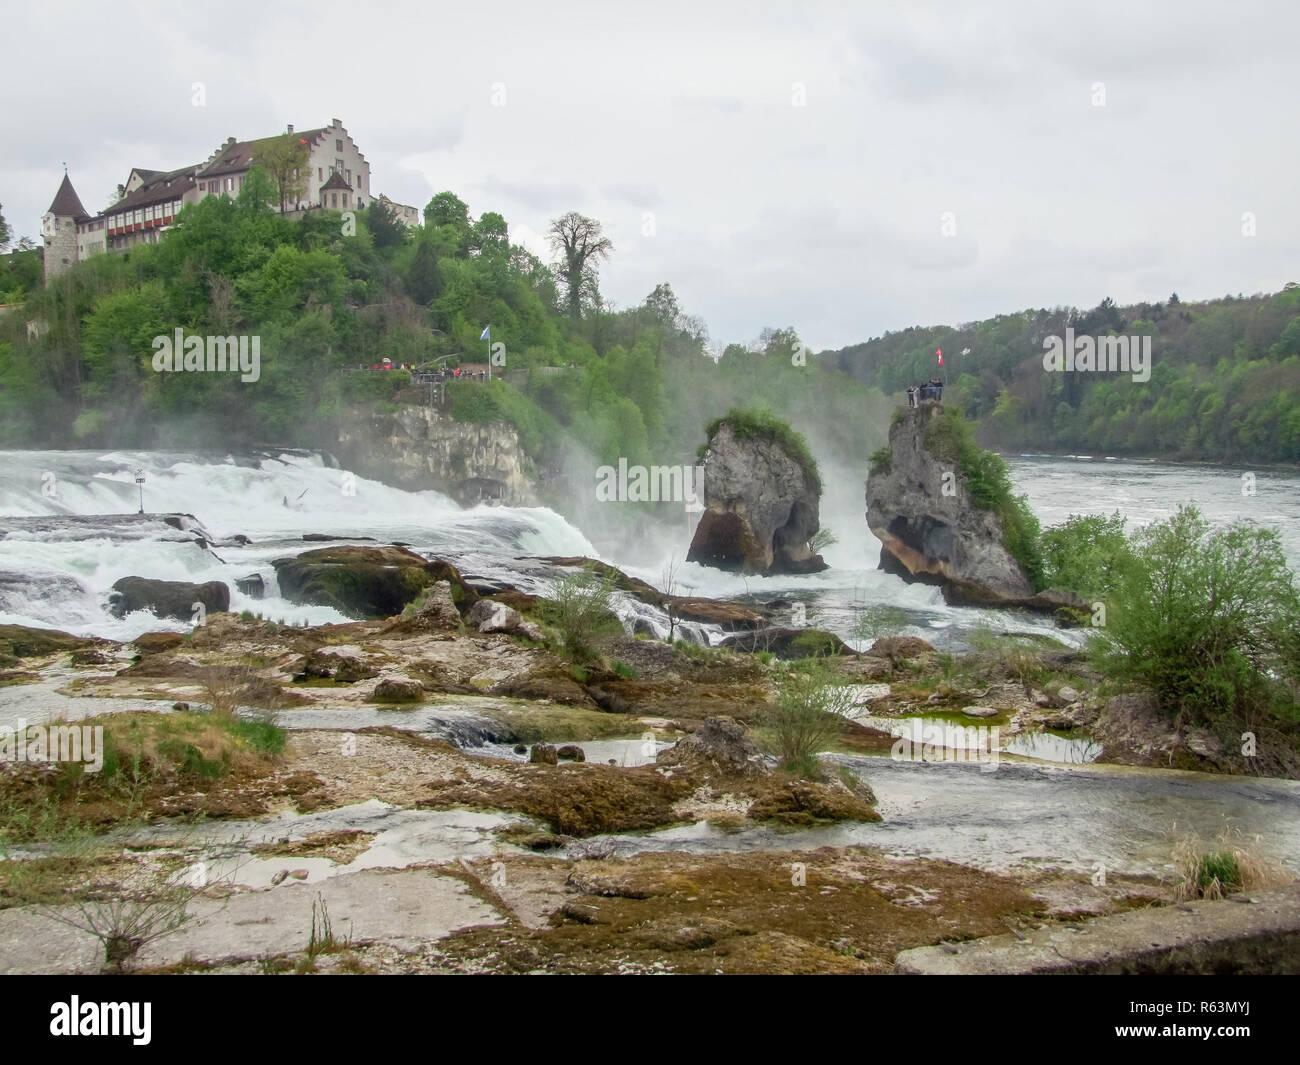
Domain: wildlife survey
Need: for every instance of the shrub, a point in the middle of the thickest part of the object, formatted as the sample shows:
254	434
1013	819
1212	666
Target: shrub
1087	554
1207	620
875	622
808	714
881	461
1234	863
580	612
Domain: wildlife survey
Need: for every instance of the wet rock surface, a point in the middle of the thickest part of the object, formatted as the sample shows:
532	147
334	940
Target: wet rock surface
761	507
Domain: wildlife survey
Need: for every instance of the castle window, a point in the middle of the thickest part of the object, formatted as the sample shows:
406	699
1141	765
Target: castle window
334	197
203	186
320	173
338	145
345	199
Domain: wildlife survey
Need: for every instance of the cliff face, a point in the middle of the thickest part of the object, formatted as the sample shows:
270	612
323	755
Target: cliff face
761	507
419	448
929	530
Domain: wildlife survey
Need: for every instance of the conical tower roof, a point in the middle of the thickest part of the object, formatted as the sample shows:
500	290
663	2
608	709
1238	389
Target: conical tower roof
66	201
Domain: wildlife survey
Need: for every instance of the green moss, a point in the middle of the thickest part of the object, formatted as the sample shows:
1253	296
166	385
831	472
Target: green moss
748	423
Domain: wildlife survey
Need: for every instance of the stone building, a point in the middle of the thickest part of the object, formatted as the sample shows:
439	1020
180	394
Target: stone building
59	228
337	177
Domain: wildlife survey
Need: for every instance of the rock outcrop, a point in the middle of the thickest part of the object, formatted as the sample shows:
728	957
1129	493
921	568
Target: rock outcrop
167	599
761	507
366	581
418	447
929	530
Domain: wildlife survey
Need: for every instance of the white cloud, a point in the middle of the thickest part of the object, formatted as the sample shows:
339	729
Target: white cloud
824	216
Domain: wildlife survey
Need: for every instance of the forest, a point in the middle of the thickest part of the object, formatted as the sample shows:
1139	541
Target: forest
332	291
1224	387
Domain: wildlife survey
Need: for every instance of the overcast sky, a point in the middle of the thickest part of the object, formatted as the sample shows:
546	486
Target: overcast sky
797	159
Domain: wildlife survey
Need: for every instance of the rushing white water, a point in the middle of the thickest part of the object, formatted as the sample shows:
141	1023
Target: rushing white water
58	576
50	579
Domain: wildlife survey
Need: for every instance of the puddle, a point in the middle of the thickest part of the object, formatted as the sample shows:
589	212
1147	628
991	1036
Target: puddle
1122	819
402	838
969	735
623	753
39	703
1047	746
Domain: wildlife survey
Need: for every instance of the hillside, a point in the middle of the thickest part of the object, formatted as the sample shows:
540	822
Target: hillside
340	290
1224	383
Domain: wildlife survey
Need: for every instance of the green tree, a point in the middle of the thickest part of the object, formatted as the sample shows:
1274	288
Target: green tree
579	247
1206	619
385	228
284	159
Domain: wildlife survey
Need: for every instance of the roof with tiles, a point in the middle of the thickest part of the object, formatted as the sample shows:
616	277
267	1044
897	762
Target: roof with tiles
67	202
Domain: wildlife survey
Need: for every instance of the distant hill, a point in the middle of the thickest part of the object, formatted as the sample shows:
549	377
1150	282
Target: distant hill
1224	383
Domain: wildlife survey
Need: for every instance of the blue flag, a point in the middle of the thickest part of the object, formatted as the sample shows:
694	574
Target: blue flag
487	332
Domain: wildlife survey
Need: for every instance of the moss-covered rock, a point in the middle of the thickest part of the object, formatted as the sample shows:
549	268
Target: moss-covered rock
367	582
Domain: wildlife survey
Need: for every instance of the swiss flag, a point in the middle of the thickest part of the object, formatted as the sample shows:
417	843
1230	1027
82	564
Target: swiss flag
939	352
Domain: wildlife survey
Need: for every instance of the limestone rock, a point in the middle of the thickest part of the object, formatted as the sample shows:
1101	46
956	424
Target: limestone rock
489	615
397	691
980	711
439	608
167	599
935	536
719	742
366	581
761	508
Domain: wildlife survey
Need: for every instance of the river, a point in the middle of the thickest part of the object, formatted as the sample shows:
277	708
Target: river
54	574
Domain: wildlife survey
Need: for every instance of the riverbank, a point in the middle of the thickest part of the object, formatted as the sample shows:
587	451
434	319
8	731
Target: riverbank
462	801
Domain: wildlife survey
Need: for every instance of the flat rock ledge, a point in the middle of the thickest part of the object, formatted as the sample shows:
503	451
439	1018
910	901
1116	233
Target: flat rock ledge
1250	933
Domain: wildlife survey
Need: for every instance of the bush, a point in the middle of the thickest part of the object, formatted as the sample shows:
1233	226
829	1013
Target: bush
881	461
580	612
1207	620
1087	554
876	622
809	713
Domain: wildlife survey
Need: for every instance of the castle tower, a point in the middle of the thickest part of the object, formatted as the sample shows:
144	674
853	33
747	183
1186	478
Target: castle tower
59	229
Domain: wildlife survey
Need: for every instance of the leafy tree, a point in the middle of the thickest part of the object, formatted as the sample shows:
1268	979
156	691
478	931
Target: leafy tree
810	709
258	193
385	228
447	209
284	159
579	246
424	281
1207	620
6	234
1087	554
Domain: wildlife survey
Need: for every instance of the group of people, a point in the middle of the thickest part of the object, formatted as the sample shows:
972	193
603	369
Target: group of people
931	389
424	376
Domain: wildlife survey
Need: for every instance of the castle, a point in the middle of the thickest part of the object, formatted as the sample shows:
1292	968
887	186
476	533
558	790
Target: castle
337	176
